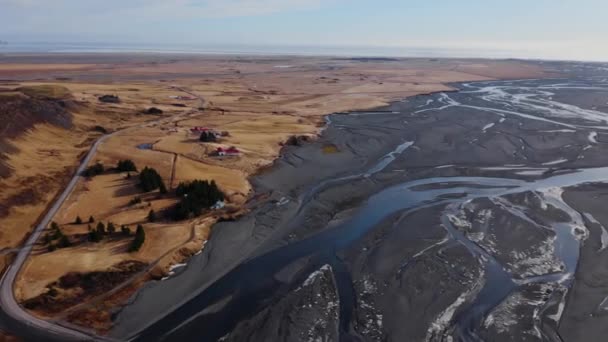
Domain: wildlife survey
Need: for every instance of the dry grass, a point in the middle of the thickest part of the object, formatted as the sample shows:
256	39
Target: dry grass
261	107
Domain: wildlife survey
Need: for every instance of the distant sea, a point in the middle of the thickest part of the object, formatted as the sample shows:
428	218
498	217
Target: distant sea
45	47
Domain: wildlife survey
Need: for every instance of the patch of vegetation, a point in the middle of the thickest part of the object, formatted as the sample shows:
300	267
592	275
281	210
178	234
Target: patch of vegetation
153	111
208	137
135	200
151	216
196	196
56	234
126	165
93	170
331	148
125	230
138	241
150	180
100	129
91	219
78	220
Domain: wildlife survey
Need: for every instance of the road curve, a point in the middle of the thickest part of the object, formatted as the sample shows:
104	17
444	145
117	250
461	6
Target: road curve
12	315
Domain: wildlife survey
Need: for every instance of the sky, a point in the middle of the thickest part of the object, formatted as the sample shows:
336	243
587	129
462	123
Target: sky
555	29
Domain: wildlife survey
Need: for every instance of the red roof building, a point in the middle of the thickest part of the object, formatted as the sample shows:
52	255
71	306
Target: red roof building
200	129
231	151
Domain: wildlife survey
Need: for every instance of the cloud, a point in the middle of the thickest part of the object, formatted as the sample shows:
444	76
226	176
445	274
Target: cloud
175	8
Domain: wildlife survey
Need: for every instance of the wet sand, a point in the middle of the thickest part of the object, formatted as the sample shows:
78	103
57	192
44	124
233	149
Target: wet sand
453	203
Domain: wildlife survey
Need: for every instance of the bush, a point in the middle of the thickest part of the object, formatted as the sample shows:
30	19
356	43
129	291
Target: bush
78	220
153	110
126	166
196	196
138	241
100	129
135	200
150	180
208	137
94	236
54	226
151	216
126	231
93	170
64	242
91	219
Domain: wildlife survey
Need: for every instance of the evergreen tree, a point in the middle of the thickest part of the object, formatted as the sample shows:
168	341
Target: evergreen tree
78	220
151	216
54	226
138	241
101	229
91	219
111	229
150	180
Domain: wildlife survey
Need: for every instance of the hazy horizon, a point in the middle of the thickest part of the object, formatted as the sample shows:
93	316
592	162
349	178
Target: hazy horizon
539	29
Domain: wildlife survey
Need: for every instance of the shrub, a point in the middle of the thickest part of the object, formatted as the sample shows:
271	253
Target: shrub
91	219
126	166
135	200
125	230
153	110
100	129
151	216
64	242
93	170
78	220
208	137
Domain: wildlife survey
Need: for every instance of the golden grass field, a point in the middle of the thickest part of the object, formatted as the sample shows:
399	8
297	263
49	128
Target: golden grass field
260	105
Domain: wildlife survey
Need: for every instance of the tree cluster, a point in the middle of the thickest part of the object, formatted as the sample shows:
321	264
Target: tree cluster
150	180
196	196
93	170
138	241
56	235
126	166
101	231
208	137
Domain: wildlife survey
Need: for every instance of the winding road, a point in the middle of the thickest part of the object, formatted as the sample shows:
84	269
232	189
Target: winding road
12	314
13	317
